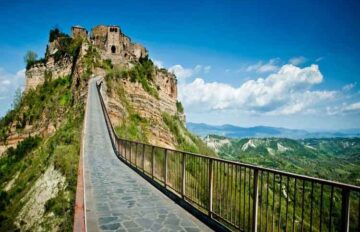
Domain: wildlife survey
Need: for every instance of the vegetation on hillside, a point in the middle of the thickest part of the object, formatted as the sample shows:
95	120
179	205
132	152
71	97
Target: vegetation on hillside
65	46
39	106
334	159
142	72
53	106
184	139
23	166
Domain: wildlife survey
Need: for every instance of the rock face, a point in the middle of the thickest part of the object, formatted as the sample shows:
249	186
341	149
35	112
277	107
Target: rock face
146	106
46	187
36	75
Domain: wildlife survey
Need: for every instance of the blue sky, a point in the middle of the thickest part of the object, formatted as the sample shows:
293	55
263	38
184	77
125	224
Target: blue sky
279	63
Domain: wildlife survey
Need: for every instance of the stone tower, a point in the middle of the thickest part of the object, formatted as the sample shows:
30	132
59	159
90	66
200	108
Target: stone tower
78	31
113	40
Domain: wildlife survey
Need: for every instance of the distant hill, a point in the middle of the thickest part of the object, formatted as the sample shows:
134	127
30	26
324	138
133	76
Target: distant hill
232	131
329	158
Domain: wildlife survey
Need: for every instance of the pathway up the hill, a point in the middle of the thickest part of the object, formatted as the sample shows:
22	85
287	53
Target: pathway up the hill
117	198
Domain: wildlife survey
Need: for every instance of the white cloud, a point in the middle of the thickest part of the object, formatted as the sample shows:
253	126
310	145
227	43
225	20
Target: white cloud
260	67
159	63
349	87
180	71
343	109
352	107
184	73
297	60
9	82
287	91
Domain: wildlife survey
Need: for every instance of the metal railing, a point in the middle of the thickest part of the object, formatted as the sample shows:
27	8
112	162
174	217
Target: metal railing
242	196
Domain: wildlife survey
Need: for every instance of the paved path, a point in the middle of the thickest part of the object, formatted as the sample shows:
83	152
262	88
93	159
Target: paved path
117	198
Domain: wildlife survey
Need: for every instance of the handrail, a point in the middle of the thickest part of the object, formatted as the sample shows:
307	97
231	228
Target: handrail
232	192
304	177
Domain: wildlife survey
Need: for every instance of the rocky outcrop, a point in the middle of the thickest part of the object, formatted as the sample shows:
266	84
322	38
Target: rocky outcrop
31	217
37	74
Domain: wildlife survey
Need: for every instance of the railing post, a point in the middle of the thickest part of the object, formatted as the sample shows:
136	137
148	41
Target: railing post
143	158
255	200
165	168
122	148
345	210
183	175
210	187
130	152
152	162
125	153
136	151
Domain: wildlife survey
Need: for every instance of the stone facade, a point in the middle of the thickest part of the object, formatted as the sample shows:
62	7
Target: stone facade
116	46
78	32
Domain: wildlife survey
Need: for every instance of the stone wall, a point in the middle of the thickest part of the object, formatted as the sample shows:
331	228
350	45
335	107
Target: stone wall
99	36
36	75
116	46
79	32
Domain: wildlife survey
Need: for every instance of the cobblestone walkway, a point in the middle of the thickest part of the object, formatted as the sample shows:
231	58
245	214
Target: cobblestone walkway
118	199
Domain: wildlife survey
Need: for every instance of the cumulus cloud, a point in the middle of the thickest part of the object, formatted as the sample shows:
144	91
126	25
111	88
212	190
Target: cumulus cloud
287	91
297	60
261	67
181	72
184	73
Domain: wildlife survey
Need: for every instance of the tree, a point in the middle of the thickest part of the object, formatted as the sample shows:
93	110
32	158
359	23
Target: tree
17	98
30	58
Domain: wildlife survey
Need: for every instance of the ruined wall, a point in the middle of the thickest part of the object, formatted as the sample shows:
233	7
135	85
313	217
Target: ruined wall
99	36
116	46
36	74
79	32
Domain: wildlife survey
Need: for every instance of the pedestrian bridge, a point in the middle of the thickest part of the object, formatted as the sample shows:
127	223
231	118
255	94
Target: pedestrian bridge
131	186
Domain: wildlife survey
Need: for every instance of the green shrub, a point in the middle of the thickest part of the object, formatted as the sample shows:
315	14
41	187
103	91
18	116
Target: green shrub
179	107
134	128
143	72
185	140
30	59
55	33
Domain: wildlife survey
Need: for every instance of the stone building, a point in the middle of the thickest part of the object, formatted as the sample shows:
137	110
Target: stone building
115	45
79	31
111	44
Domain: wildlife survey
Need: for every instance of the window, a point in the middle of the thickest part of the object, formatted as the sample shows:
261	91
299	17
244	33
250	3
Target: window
113	49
